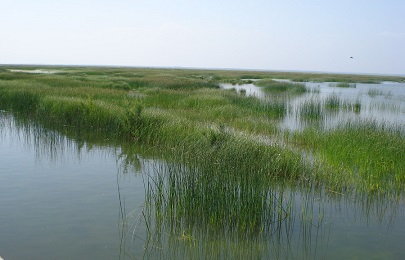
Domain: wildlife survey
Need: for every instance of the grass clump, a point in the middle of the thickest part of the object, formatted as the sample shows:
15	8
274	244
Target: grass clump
372	92
311	109
333	102
342	85
362	153
272	86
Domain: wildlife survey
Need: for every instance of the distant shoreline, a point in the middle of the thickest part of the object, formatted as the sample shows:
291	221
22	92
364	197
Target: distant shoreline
200	68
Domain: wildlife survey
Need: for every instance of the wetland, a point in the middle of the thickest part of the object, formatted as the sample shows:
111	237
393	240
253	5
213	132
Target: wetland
135	163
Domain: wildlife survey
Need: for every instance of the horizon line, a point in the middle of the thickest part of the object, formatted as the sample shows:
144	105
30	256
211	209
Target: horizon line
201	68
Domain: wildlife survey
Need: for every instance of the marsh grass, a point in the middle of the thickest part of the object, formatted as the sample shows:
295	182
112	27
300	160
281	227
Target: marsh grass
183	111
202	212
274	87
223	186
209	209
368	155
311	109
333	102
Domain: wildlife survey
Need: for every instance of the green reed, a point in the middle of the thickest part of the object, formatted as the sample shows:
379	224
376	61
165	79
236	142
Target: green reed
214	204
362	154
311	109
333	102
202	211
184	111
272	86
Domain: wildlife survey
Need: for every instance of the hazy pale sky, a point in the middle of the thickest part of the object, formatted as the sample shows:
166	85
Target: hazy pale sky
311	35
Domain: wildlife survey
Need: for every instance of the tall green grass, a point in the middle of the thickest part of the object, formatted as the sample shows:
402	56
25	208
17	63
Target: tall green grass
206	211
183	111
363	154
311	109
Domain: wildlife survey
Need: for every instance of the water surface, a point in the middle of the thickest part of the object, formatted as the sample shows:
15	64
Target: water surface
382	103
62	198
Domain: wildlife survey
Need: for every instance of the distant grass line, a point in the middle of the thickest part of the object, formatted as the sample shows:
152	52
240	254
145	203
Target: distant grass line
216	75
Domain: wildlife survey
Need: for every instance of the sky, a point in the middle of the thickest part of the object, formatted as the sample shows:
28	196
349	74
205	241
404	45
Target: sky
289	35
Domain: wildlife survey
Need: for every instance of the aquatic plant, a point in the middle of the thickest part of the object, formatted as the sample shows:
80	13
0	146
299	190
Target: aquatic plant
333	102
372	92
367	154
311	109
343	85
273	86
181	111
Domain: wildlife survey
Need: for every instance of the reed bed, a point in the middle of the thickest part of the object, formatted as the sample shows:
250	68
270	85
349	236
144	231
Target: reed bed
311	109
203	209
367	155
333	102
184	112
231	178
200	212
274	87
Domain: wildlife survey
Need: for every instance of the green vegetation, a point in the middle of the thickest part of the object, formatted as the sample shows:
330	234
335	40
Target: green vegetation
191	120
231	172
209	210
369	155
273	86
311	109
333	102
343	85
372	92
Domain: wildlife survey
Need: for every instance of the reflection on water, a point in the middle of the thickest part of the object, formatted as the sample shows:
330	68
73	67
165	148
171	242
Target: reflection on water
62	198
251	89
185	218
383	103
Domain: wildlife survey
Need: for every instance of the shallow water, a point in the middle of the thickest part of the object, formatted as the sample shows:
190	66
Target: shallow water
59	198
383	103
67	199
251	89
38	71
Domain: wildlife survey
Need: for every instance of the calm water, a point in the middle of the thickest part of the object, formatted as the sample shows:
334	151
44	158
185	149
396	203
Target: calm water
67	199
383	103
59	199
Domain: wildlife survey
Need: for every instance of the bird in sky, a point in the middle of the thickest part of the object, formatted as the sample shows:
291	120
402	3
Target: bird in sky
351	57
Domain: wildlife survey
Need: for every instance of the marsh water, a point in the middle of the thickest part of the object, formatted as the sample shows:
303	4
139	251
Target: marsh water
383	103
62	197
